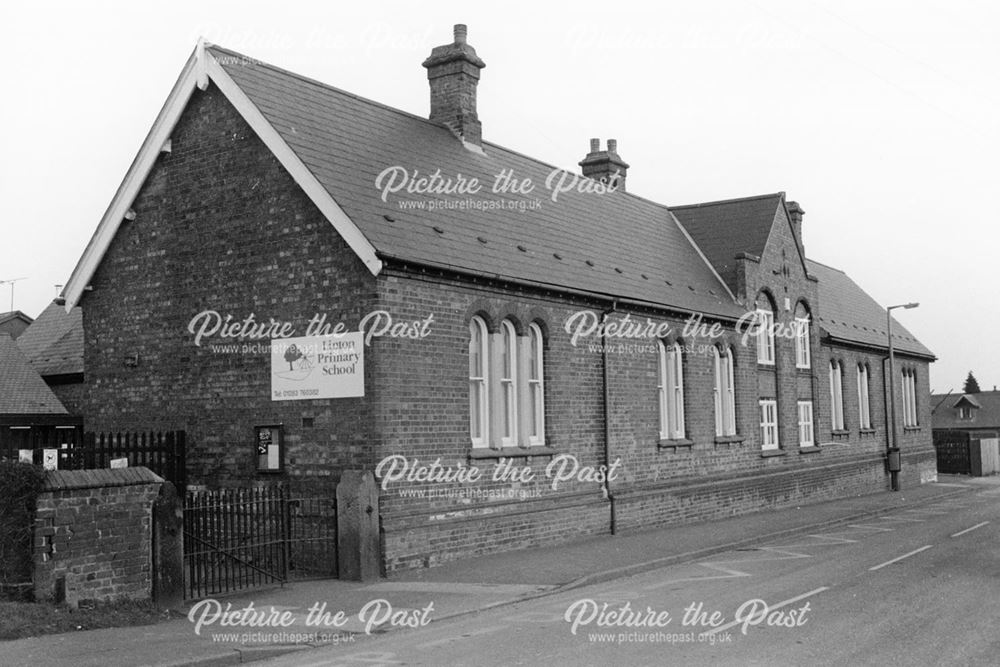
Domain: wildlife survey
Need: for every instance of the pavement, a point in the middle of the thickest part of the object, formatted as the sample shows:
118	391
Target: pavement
302	615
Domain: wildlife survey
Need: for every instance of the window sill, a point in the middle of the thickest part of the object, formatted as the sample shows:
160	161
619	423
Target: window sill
840	433
912	429
811	449
729	439
674	443
804	370
868	431
510	452
768	453
770	365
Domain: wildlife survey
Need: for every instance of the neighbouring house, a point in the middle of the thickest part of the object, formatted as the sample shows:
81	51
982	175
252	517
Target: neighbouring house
975	414
53	345
14	323
520	363
31	415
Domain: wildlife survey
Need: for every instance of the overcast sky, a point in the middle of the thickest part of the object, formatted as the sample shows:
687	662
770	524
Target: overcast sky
880	118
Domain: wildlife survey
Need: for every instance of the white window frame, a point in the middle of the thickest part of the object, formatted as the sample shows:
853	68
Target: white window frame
802	352
836	396
807	435
479	378
910	397
507	376
965	412
725	396
670	389
769	438
765	336
864	398
535	389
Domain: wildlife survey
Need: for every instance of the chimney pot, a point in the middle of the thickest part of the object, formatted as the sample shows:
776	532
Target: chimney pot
606	166
461	33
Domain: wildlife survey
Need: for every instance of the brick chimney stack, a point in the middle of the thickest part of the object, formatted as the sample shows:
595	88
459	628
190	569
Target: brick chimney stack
795	213
453	72
606	166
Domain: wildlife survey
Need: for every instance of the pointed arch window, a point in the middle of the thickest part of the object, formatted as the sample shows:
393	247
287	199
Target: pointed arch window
765	332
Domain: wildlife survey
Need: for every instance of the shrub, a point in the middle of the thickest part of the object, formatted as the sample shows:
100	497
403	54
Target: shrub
20	484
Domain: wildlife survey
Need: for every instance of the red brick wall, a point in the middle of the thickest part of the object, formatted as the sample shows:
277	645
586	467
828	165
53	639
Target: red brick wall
93	535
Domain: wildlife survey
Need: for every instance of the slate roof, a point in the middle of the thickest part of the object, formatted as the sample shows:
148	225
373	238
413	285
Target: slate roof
54	342
14	323
848	313
615	244
724	229
22	390
946	413
14	314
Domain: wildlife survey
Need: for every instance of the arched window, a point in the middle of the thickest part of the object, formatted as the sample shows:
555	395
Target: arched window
725	394
802	351
671	392
765	332
478	383
508	384
536	387
864	402
836	396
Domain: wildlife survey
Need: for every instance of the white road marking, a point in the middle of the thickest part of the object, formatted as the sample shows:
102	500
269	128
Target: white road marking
899	558
867	527
770	608
460	588
970	529
727	574
832	538
900	518
926	511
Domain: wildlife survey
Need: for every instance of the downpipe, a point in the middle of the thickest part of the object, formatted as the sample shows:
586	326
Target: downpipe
607	419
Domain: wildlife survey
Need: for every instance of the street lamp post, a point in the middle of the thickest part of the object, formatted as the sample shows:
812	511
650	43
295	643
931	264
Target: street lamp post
893	451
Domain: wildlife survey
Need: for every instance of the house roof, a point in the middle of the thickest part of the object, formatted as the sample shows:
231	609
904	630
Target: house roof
967	398
603	244
849	314
725	229
22	390
14	315
54	342
946	415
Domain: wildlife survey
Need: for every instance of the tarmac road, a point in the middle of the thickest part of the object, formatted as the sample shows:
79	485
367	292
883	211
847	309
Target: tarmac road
917	586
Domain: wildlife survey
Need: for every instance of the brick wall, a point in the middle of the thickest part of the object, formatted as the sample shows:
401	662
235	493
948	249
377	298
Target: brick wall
93	535
72	395
220	225
423	414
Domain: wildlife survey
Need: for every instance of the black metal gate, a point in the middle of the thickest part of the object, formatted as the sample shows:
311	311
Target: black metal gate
235	539
952	452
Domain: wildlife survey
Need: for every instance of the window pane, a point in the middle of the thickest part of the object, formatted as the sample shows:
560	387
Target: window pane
475	410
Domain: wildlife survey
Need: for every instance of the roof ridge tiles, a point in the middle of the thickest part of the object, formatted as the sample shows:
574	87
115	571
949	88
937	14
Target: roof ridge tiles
734	200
